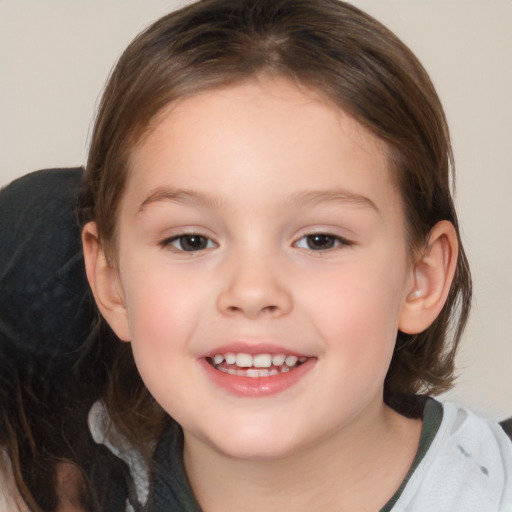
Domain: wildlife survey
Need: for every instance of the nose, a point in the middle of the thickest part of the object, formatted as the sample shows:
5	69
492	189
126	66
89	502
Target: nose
253	287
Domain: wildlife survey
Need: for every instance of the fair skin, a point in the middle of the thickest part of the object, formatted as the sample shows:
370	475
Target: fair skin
261	220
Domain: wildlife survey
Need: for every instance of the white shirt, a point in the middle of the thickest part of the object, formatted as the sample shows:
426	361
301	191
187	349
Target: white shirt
468	468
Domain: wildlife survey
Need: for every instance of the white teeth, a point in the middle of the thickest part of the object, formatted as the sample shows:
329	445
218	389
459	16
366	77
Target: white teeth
254	362
291	360
262	361
244	360
278	359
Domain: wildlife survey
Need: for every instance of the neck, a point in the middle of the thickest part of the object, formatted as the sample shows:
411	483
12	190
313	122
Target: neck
357	468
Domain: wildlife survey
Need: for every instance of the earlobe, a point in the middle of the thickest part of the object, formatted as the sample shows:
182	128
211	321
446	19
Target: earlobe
104	282
433	274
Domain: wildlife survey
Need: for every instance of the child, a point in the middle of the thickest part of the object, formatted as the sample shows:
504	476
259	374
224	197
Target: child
270	234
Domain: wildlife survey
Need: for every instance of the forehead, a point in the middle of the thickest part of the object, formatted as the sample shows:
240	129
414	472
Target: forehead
261	130
290	101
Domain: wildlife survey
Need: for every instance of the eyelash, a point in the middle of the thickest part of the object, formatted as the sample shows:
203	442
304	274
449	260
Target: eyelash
334	241
178	243
182	238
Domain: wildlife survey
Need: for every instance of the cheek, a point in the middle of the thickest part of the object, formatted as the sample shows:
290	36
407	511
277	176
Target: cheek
162	305
148	302
161	321
357	311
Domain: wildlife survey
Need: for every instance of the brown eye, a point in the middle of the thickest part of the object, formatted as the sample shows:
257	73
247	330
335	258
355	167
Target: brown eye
192	242
321	242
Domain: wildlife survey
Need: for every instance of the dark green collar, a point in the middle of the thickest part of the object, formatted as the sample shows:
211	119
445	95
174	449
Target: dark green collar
432	416
170	490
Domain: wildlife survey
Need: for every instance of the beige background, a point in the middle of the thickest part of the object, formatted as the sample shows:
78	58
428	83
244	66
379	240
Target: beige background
55	56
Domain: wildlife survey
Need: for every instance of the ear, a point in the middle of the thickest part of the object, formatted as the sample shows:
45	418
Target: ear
432	276
105	283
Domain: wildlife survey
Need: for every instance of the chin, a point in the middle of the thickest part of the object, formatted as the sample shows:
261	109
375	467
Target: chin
253	443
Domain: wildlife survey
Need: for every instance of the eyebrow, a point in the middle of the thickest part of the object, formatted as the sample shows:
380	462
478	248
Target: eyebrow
332	196
310	197
178	195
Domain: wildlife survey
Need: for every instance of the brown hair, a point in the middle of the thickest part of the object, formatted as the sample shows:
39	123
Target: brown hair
346	56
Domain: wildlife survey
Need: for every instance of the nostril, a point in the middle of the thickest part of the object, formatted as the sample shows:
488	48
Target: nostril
252	301
264	310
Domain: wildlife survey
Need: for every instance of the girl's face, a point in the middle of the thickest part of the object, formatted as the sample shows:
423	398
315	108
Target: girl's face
263	268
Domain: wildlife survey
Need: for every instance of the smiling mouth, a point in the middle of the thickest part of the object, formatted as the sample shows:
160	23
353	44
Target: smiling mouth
257	365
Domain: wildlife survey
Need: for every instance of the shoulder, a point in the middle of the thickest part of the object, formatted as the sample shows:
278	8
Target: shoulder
477	439
468	467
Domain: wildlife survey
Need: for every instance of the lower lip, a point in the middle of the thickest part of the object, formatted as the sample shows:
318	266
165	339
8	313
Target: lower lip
257	386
